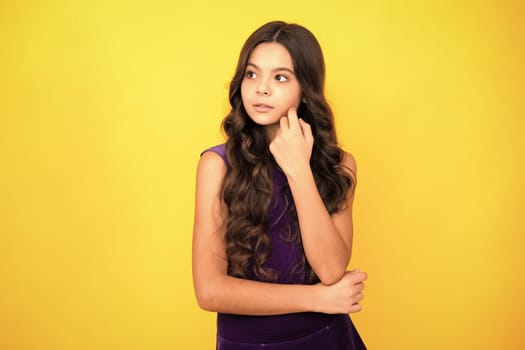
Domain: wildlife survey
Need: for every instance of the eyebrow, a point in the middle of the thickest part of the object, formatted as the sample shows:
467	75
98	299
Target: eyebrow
273	70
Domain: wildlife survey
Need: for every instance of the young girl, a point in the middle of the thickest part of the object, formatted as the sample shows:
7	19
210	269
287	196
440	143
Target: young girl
273	217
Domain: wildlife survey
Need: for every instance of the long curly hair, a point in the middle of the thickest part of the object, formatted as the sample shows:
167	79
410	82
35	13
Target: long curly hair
248	186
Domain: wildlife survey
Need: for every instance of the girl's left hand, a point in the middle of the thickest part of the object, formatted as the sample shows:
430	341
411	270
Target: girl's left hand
292	144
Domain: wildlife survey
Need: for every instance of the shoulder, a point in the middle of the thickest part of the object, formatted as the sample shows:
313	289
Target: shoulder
210	174
219	150
212	161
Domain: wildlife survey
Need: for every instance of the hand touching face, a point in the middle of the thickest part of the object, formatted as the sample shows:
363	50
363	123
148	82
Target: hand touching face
292	143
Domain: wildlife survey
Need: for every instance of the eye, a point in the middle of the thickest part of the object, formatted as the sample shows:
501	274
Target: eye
250	74
281	77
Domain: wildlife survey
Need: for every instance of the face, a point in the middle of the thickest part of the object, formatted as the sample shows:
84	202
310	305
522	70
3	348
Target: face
269	87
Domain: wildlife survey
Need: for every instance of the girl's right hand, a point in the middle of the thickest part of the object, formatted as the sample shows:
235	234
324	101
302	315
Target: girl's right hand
343	296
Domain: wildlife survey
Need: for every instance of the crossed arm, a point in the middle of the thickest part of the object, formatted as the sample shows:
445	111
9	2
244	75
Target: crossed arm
327	239
219	292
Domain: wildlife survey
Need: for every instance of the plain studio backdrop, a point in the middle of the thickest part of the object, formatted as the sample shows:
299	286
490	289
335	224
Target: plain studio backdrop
106	105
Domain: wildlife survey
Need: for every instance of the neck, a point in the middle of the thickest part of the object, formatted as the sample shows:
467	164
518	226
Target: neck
271	131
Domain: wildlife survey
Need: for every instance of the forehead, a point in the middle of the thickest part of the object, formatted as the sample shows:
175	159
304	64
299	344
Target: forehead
271	55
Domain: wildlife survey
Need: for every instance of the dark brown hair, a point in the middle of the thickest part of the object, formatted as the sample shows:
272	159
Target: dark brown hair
248	186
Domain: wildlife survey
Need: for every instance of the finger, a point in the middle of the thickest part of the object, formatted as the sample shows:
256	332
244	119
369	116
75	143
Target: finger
354	308
354	271
358	297
358	277
307	131
365	276
293	119
283	122
359	286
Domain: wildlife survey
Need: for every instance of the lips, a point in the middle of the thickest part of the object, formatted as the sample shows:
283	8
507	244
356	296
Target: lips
261	107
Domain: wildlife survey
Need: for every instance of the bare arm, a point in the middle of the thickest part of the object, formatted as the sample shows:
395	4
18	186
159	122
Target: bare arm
327	239
216	291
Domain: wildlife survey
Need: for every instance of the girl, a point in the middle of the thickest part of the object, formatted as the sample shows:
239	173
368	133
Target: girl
273	218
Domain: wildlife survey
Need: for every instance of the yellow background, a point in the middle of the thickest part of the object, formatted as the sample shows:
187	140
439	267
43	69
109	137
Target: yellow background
106	105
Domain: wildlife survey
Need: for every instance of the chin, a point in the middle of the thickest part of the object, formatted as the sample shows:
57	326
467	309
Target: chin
264	120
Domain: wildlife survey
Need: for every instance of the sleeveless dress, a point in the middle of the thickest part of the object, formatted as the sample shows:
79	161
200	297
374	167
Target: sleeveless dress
303	330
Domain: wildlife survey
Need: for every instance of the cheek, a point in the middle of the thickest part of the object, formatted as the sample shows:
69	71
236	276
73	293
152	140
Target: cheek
295	99
245	89
295	96
243	93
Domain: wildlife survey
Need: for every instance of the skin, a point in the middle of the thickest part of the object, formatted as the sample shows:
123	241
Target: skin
271	94
270	81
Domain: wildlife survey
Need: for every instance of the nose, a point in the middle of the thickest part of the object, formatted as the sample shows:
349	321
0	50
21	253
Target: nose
263	89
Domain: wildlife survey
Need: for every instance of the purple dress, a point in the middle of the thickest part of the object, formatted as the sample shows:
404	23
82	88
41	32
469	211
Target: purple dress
304	330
